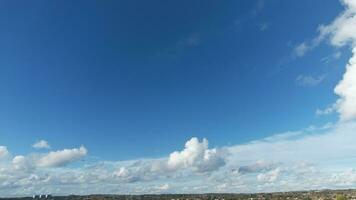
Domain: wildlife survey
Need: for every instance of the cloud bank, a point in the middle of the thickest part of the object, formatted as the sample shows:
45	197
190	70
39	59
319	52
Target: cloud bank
312	158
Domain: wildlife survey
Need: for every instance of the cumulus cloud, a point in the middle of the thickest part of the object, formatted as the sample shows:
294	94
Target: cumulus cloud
41	144
3	152
196	154
311	158
196	157
62	157
22	163
341	32
346	89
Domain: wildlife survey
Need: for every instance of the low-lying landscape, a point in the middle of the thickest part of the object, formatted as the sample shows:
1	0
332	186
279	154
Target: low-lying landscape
349	194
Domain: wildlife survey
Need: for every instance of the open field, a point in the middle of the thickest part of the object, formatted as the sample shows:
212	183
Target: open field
302	195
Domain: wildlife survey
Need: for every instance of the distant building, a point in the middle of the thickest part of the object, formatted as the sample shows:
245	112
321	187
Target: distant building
43	196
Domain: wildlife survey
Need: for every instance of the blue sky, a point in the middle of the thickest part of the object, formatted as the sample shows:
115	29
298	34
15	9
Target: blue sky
117	83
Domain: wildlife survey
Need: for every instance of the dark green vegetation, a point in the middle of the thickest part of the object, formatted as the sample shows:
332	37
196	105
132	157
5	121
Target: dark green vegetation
302	195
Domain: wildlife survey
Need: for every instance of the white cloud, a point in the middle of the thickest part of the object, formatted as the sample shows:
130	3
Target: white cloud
345	178
62	157
341	32
3	152
326	111
135	174
163	187
312	158
196	154
301	49
335	56
346	89
41	144
22	163
270	176
309	81
122	172
315	145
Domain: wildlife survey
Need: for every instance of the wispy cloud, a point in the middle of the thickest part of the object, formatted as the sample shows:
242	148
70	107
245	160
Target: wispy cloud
303	48
335	56
191	40
326	111
181	44
309	81
258	7
264	26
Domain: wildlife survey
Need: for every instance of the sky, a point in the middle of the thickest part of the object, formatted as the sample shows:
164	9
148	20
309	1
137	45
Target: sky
189	96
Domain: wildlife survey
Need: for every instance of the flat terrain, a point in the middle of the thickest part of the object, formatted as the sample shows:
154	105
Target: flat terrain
303	195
